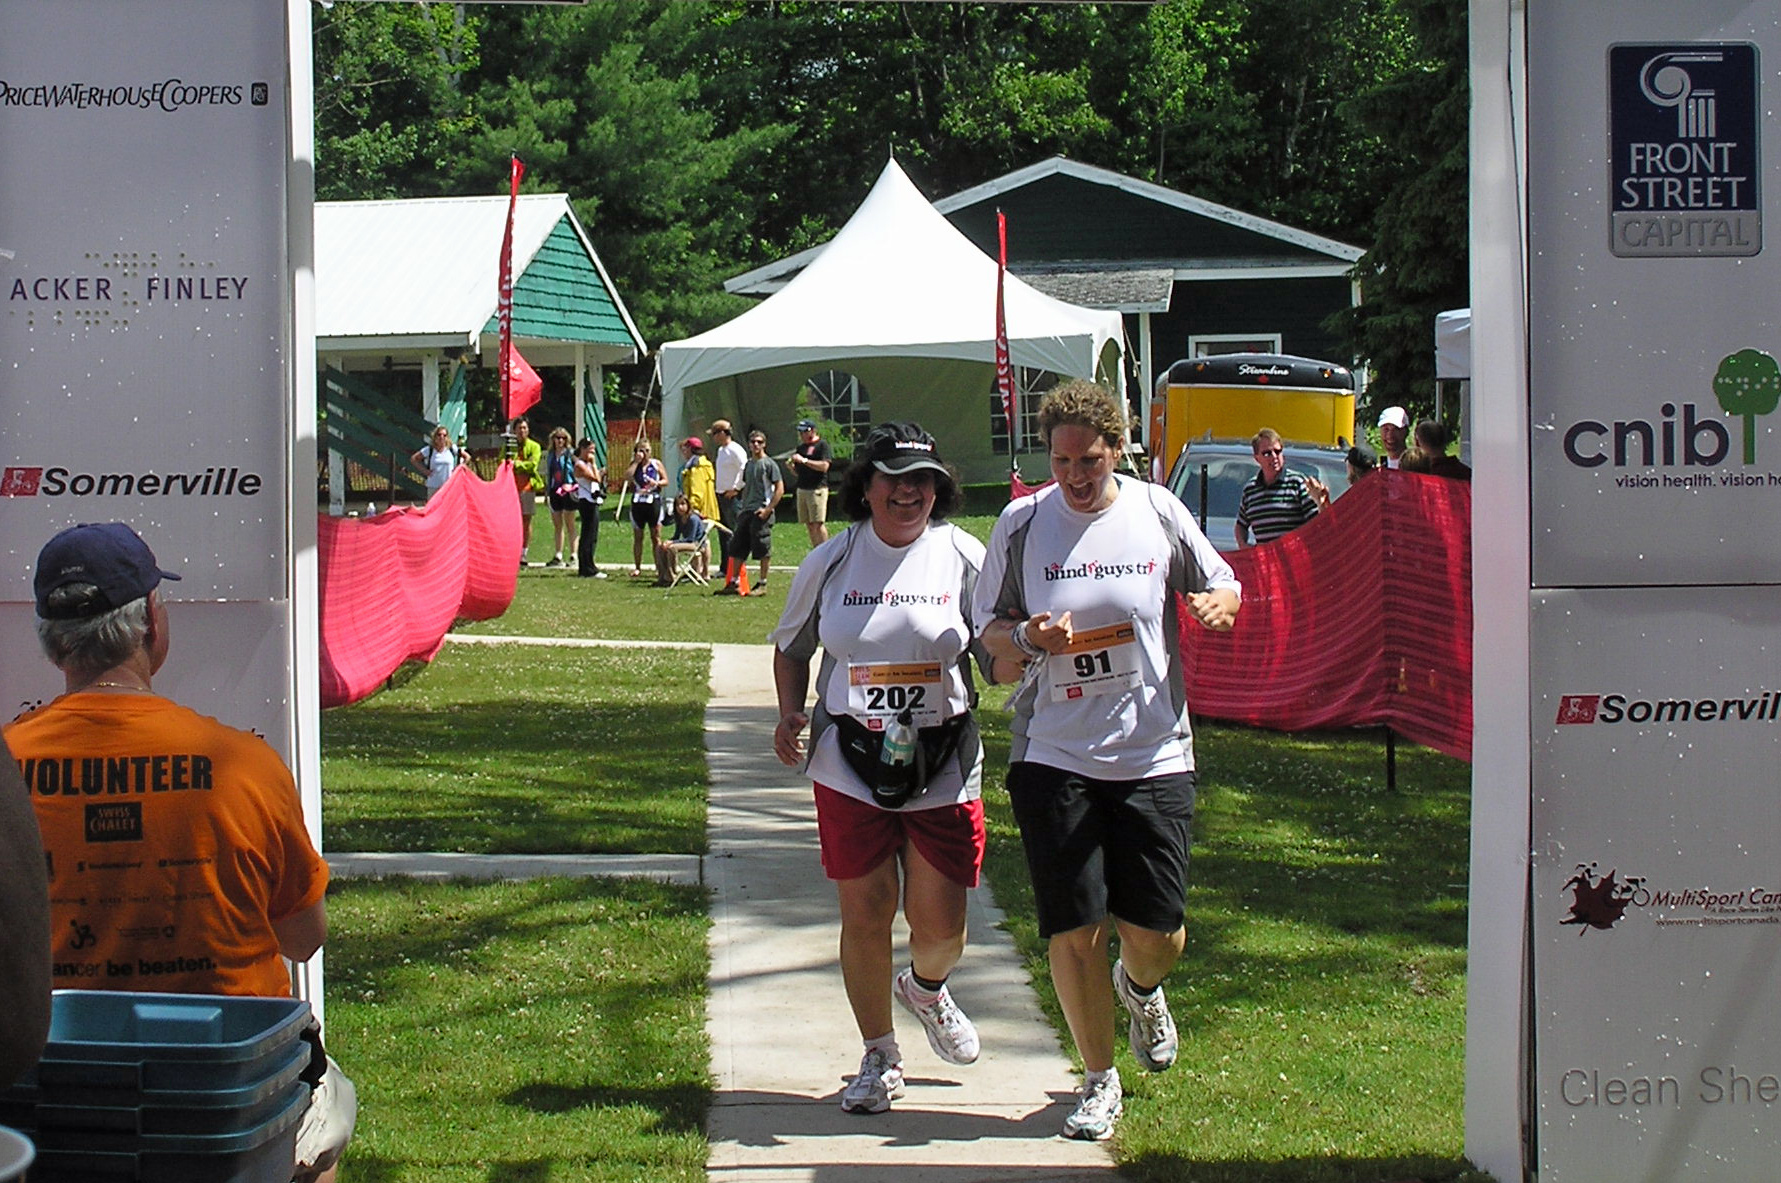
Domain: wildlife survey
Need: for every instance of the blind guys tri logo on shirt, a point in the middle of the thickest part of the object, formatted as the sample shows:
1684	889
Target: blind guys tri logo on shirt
1097	570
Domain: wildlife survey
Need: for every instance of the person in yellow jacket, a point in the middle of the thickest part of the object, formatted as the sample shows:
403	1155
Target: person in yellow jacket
698	480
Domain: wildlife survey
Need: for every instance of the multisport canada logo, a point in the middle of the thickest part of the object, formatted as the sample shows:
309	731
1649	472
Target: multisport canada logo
1746	385
60	481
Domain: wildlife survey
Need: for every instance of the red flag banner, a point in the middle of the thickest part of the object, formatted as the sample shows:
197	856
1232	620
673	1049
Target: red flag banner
1360	617
524	386
504	304
1004	369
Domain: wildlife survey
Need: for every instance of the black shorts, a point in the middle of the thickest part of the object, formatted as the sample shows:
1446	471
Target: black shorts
754	536
1104	847
645	514
559	504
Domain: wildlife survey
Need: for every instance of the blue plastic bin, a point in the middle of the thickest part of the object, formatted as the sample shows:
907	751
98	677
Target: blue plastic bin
263	1154
116	1039
98	1111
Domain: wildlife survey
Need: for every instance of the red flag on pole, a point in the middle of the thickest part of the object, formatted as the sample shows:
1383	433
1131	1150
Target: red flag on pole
520	384
524	386
1004	370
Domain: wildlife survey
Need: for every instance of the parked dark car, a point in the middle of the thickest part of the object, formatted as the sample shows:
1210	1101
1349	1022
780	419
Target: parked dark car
1228	465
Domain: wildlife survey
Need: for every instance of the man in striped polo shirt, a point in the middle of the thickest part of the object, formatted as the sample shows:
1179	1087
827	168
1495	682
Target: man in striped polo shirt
1276	502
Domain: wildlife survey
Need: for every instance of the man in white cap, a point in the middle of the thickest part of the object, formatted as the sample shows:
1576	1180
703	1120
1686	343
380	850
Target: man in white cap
1394	433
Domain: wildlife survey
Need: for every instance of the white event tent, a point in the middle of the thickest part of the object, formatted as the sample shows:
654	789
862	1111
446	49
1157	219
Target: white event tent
903	303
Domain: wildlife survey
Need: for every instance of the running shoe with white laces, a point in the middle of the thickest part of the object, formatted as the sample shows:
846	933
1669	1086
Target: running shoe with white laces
1101	1104
952	1035
1152	1029
877	1084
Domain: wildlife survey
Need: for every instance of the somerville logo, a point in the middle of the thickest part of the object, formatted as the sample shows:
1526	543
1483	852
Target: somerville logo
1747	385
25	481
1763	707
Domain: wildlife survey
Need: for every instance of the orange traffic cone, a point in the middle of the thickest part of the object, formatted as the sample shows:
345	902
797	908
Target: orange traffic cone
742	576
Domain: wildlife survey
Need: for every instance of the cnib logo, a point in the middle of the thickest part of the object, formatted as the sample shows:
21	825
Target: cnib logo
1578	708
20	482
1599	902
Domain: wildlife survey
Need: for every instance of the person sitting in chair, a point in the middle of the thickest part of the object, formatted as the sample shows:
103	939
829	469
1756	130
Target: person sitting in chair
688	538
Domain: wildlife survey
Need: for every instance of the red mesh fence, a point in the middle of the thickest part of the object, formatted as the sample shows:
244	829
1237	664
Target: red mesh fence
1361	618
392	585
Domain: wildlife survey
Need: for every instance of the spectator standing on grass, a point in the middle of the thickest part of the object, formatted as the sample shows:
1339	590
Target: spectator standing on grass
884	837
1394	435
1079	584
645	479
698	480
199	829
559	489
24	918
590	491
527	459
1276	501
762	489
728	464
438	459
810	462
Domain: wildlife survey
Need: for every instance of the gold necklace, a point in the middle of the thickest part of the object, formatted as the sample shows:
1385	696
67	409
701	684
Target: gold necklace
117	686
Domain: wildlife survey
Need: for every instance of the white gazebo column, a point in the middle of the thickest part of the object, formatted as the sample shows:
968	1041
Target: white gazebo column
336	462
430	363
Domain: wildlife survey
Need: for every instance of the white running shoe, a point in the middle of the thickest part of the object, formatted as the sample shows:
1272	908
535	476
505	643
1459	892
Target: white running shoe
1152	1029
1099	1108
952	1036
877	1084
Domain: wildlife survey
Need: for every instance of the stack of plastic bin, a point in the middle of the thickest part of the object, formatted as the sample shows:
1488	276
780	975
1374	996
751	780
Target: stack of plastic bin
165	1088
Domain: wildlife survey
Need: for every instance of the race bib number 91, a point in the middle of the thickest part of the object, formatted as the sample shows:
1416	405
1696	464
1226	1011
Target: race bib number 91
1097	661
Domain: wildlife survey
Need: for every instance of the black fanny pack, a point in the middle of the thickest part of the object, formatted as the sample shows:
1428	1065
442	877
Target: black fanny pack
895	785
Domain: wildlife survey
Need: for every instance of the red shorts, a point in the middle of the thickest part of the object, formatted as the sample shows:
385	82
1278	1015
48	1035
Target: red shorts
856	837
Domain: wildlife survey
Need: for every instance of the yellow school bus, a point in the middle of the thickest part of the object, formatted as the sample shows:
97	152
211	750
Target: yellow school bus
1234	395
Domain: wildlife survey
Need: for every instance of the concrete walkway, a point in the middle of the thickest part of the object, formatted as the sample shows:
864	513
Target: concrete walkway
782	1037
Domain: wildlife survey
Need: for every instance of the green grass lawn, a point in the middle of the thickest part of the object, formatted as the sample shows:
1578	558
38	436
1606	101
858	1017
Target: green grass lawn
524	749
520	1032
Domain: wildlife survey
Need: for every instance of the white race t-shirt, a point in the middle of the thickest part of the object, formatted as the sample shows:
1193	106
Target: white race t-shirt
1113	707
892	622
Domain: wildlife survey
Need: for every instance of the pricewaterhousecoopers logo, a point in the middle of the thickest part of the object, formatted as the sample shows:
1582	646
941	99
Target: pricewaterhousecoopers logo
166	94
1747	385
58	481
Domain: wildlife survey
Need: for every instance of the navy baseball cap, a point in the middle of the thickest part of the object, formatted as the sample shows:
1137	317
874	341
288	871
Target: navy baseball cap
902	447
109	556
806	425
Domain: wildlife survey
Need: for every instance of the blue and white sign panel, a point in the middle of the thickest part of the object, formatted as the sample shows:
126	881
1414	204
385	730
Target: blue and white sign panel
1654	332
145	326
1685	150
1656	926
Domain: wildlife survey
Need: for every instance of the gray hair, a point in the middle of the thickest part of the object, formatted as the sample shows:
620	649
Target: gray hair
88	647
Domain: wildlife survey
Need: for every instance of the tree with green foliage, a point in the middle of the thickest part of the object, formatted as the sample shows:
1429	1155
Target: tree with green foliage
1417	264
388	98
1748	384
